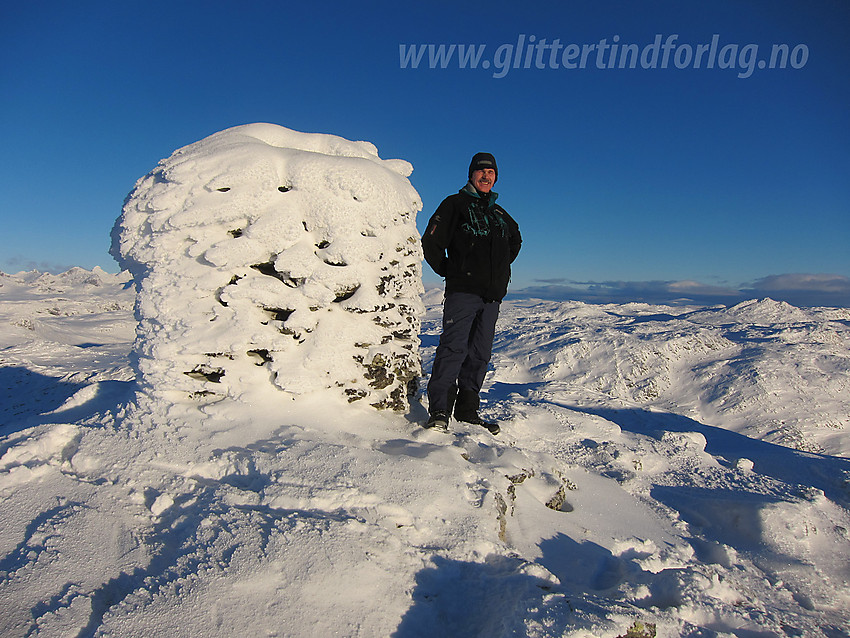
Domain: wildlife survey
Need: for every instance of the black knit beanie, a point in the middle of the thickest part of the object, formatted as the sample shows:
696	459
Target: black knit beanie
481	161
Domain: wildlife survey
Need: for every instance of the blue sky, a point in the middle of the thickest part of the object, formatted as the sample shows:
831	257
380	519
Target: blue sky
628	183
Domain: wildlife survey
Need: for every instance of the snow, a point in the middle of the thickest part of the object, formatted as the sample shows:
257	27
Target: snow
696	464
263	255
685	467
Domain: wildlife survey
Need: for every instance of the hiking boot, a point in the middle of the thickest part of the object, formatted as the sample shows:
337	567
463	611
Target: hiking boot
438	421
474	419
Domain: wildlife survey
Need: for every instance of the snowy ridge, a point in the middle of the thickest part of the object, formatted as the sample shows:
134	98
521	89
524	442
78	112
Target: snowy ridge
624	488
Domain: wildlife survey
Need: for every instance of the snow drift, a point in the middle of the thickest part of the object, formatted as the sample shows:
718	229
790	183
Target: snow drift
263	255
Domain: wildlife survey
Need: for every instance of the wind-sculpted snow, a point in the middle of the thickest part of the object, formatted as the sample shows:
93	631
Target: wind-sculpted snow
262	255
626	486
751	367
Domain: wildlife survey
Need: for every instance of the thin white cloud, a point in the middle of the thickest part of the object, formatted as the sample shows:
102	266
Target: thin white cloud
803	289
802	281
17	263
799	289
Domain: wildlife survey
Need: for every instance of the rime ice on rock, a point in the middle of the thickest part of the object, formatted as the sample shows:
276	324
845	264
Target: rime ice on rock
263	255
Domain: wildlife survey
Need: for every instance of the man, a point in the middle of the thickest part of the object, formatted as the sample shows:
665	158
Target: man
470	241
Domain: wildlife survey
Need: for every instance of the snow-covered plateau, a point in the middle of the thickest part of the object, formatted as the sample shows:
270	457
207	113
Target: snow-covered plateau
693	460
225	439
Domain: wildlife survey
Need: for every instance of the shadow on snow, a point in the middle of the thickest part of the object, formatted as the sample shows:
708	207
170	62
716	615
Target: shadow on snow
29	398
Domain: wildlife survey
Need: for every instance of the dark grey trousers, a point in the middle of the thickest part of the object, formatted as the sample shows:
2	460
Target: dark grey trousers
466	344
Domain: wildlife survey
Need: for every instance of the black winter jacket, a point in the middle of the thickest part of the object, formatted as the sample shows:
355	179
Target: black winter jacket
472	241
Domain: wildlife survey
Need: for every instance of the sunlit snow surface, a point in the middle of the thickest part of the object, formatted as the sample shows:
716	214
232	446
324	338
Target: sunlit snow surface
697	458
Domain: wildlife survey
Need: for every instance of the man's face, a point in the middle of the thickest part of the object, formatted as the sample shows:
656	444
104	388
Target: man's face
483	179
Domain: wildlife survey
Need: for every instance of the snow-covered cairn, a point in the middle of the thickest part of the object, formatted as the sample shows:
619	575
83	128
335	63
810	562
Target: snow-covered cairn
266	257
